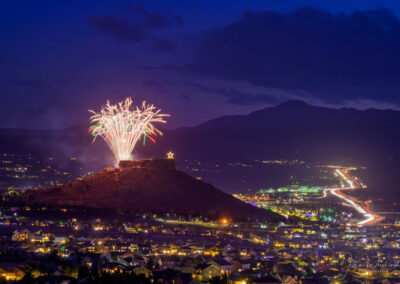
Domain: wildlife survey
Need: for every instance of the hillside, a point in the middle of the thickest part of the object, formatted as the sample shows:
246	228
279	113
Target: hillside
149	190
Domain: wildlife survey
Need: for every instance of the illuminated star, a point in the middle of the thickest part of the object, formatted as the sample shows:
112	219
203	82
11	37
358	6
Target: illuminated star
170	155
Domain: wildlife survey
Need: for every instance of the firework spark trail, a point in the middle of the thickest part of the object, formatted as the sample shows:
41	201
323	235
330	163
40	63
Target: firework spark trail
122	127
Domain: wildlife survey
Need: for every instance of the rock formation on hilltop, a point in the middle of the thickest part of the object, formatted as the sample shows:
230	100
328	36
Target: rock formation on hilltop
149	186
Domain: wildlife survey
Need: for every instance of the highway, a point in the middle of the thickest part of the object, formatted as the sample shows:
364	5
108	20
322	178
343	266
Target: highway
359	206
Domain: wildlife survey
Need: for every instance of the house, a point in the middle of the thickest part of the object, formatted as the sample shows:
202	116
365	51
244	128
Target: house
246	264
20	235
11	271
142	270
168	261
286	273
224	265
289	280
209	272
113	267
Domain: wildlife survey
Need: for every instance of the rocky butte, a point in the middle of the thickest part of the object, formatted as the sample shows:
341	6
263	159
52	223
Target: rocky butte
149	186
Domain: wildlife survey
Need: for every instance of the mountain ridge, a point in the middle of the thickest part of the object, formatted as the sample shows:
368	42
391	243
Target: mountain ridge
283	105
313	132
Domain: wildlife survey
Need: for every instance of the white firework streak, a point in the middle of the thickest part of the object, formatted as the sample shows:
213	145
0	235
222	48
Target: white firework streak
122	127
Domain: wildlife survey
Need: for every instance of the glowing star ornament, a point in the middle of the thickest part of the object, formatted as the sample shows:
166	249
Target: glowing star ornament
170	155
121	126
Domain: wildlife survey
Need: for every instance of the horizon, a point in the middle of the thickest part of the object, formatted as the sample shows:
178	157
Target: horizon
227	115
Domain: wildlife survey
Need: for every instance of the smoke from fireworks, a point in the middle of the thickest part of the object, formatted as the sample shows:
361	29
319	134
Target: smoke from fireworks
122	126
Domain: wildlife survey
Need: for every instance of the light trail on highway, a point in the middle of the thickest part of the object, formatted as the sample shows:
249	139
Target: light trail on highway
359	206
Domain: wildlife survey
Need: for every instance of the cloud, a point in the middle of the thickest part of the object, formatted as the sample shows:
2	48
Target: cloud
234	96
154	20
137	29
179	20
162	45
334	57
157	20
155	85
371	104
118	28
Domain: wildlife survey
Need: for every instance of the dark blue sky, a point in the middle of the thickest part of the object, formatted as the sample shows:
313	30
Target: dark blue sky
195	59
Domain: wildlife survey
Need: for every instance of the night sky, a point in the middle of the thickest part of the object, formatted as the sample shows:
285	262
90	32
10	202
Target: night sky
196	60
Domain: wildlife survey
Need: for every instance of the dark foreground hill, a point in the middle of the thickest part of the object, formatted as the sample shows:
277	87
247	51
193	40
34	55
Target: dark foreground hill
149	190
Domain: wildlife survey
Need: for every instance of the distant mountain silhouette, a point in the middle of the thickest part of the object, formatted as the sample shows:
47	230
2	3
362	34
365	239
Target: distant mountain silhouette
149	190
291	130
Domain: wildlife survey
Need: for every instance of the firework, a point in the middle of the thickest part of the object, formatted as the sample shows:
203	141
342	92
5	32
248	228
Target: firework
122	126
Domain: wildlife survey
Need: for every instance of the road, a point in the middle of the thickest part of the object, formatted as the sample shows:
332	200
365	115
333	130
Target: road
359	206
